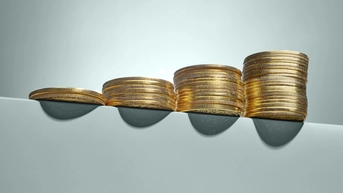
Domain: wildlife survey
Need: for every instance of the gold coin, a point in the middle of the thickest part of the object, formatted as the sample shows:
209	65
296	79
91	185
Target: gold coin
213	109
138	80
277	53
142	104
200	80
293	99
209	83
138	91
276	108
275	71
280	115
214	98
207	106
272	104
78	98
214	112
184	102
208	66
274	77
265	89
66	90
274	85
198	76
271	80
277	64
137	86
163	99
224	93
289	61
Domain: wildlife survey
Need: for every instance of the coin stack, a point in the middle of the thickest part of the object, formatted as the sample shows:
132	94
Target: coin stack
77	95
209	88
275	85
140	92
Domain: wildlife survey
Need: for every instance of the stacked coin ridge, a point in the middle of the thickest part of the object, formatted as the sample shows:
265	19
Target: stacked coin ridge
209	88
275	85
67	94
140	92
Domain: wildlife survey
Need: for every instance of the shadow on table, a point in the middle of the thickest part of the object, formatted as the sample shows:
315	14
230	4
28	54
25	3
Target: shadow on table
277	133
137	117
66	110
207	124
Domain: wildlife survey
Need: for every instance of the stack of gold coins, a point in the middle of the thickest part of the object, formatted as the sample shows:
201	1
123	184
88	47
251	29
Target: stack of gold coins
209	88
140	92
77	95
275	85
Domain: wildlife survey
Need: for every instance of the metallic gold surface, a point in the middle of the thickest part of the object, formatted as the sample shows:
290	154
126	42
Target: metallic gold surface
142	104
138	80
208	66
78	98
274	85
66	90
138	91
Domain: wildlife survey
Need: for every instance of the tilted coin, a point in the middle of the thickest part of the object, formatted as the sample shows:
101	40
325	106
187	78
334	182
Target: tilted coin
67	90
78	98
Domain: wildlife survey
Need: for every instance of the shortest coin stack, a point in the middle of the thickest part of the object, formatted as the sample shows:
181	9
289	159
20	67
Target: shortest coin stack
209	88
275	85
77	95
140	92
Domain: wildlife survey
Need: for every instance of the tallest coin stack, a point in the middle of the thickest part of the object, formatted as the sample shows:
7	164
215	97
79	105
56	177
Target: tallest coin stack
274	85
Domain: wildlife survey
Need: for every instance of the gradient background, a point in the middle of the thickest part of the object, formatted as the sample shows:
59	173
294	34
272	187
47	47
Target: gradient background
79	43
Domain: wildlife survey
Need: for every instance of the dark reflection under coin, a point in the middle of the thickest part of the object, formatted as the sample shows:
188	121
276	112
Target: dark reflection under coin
66	110
277	133
137	117
208	124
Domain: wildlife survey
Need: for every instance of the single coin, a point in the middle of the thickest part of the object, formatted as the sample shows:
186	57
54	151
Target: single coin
268	85
275	71
138	91
66	90
77	98
274	77
138	80
208	66
293	99
236	103
142	104
271	80
279	115
280	65
281	75
222	85
207	106
207	79
273	104
145	98
286	53
209	83
276	60
137	86
200	76
214	112
238	95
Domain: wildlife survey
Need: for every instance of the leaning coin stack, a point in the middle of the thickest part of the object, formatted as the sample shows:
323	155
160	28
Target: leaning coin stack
76	95
140	92
209	88
275	85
